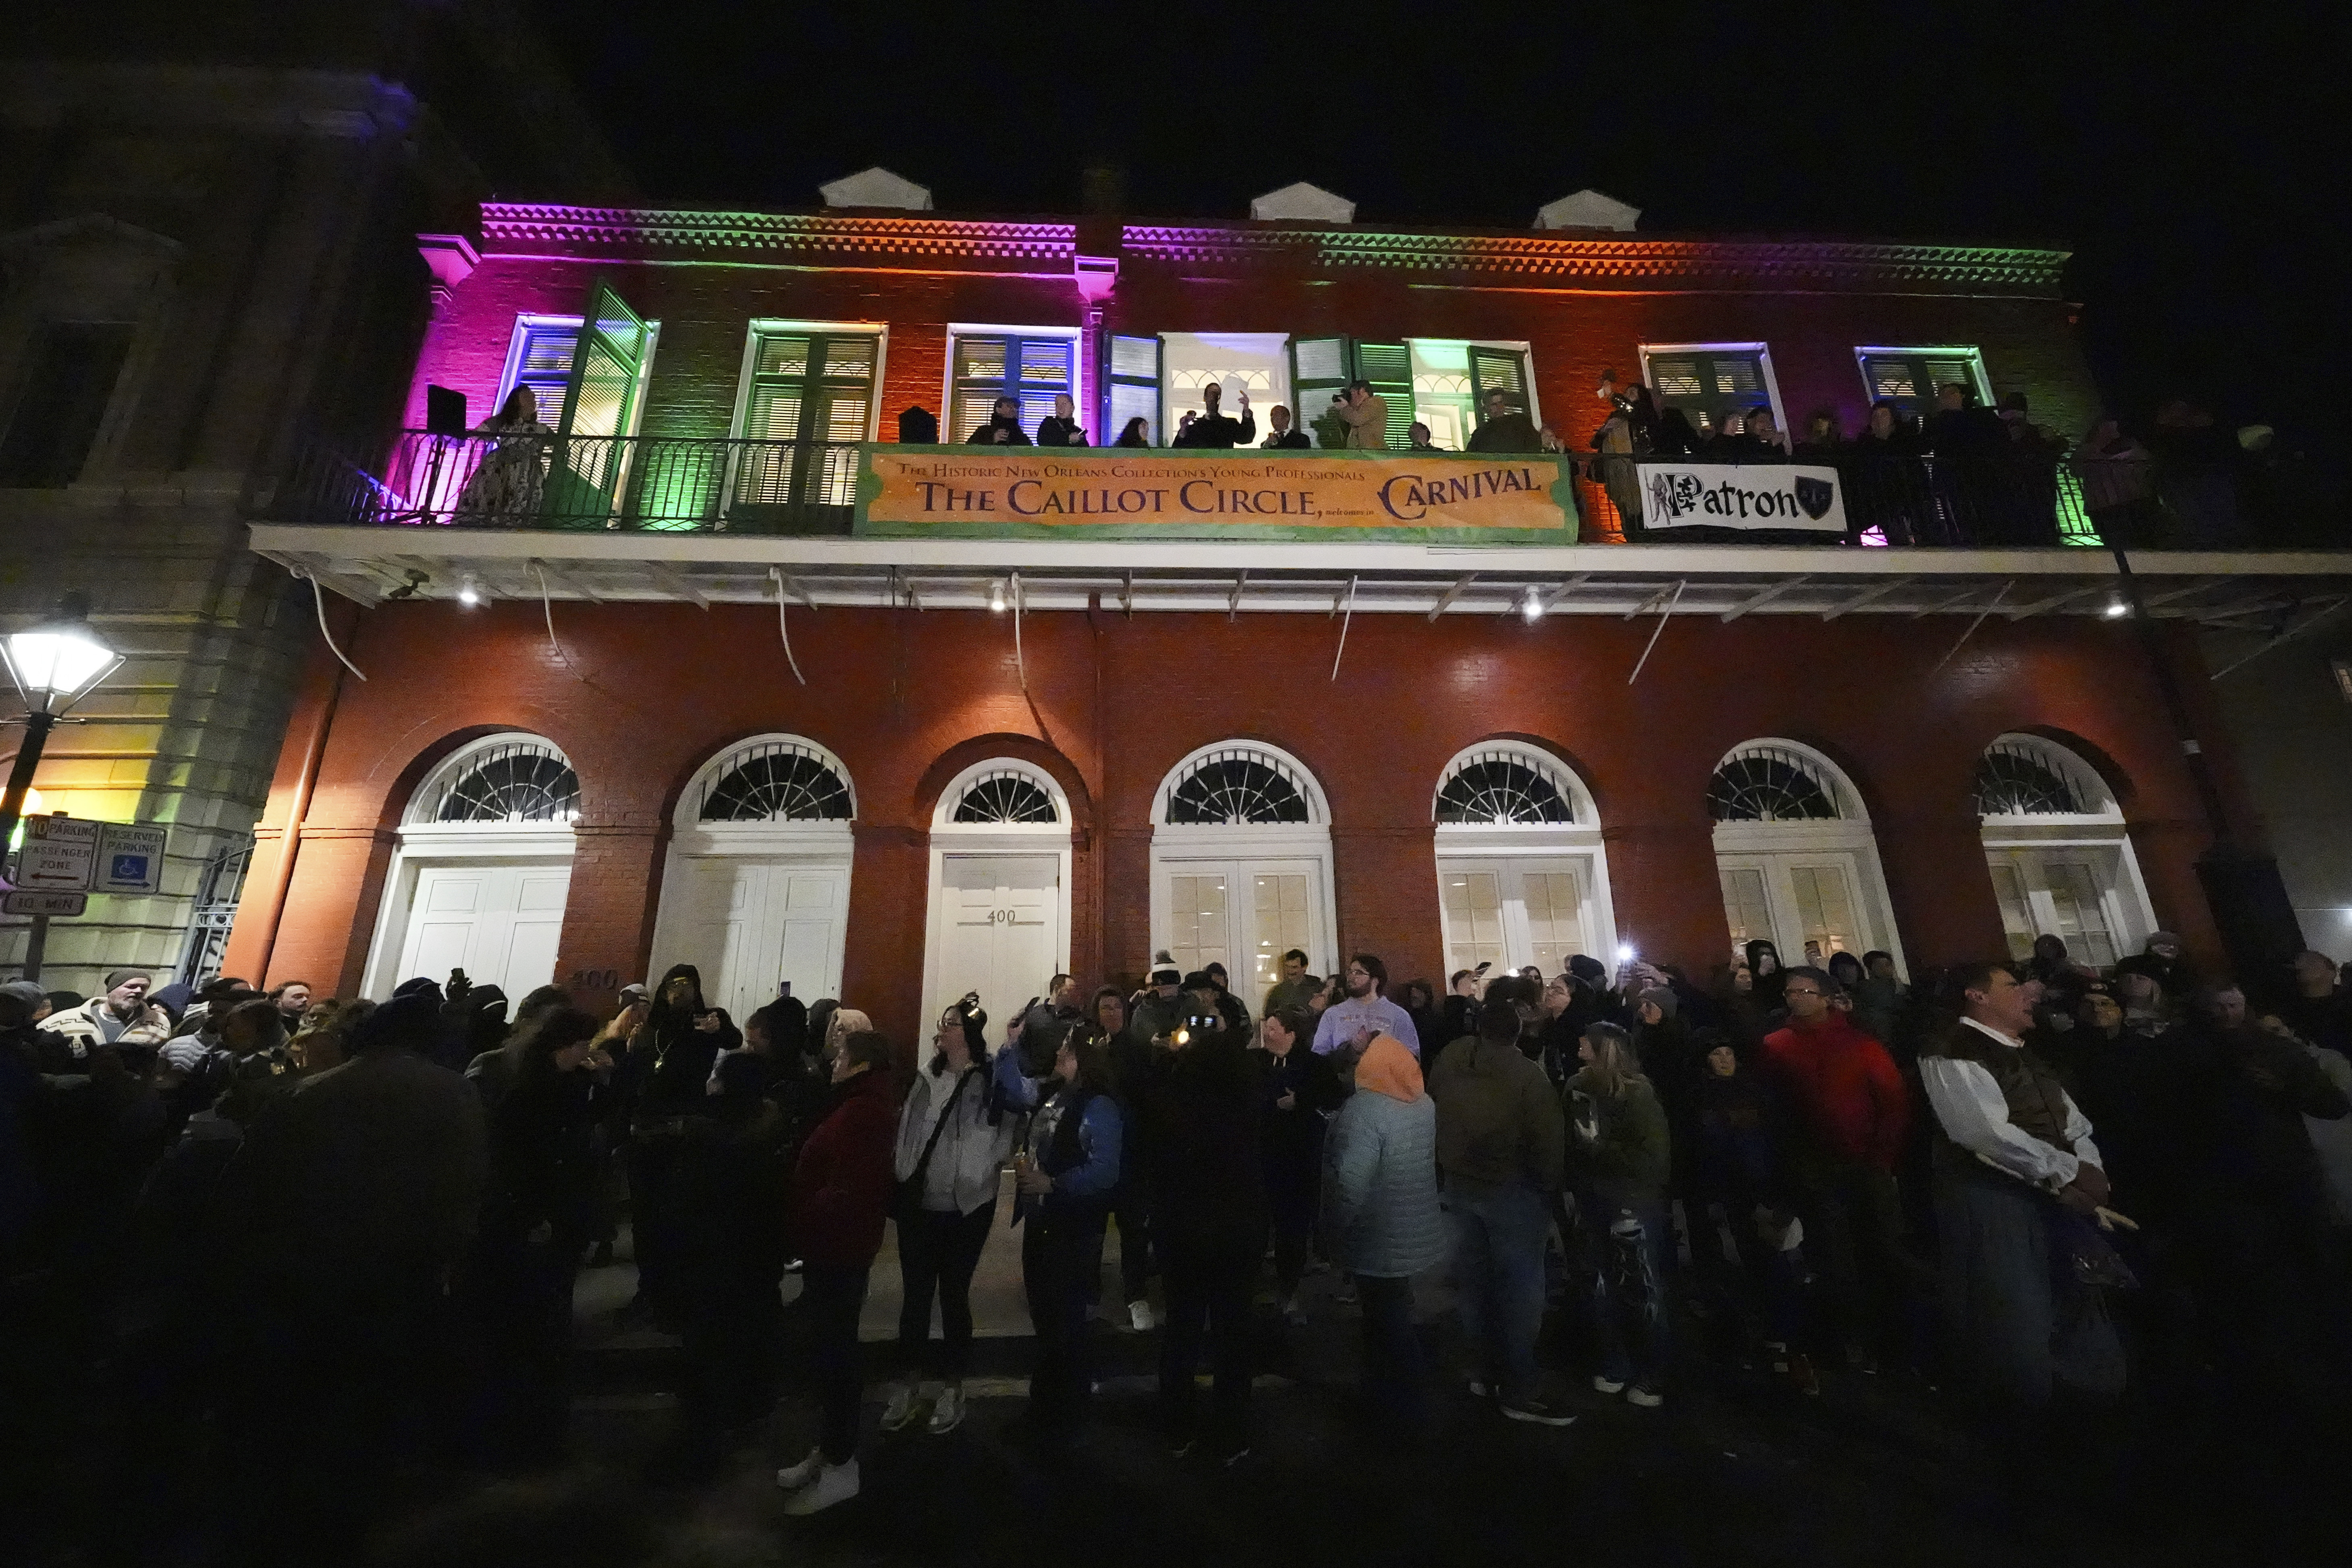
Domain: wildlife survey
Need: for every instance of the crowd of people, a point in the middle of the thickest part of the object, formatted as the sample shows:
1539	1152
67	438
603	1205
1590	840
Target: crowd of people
349	1230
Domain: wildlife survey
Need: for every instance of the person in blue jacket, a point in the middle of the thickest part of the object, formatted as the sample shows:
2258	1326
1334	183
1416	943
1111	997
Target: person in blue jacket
1064	1178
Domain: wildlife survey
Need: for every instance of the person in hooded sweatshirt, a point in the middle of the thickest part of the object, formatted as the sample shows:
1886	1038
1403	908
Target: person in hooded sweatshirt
1382	1220
663	1079
1768	979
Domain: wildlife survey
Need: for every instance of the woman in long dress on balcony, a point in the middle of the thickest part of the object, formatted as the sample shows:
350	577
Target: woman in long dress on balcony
505	489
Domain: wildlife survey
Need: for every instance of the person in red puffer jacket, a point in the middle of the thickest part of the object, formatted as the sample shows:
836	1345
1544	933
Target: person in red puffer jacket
840	1196
1852	1114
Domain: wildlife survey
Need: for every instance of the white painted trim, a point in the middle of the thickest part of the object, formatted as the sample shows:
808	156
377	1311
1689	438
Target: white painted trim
1319	805
1848	799
985	845
1519	346
685	816
1579	797
1767	851
548	417
956	329
1973	354
952	795
878	331
1247	851
2063	760
817	846
1763	353
457	762
1600	913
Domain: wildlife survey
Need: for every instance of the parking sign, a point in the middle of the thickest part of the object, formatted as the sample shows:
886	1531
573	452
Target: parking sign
58	854
129	858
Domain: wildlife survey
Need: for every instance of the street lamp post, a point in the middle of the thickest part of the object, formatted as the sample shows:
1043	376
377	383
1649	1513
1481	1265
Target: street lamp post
55	664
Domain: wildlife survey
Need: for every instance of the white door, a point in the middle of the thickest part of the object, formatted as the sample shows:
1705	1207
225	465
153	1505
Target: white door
1515	910
1244	914
997	925
1791	899
749	924
2070	892
498	922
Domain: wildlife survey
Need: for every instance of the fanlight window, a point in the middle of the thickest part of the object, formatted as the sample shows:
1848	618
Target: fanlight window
521	781
1005	796
1767	783
1498	787
2013	780
1238	786
777	781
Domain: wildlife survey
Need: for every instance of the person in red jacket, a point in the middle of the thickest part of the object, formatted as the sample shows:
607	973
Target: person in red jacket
1852	1114
840	1196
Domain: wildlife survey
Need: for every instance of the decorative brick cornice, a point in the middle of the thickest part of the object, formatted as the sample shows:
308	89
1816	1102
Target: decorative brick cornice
1724	264
621	233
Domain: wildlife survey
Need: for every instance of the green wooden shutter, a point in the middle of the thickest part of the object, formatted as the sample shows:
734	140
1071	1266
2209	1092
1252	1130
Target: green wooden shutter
1318	367
1388	368
600	401
1910	381
1133	387
1497	370
810	403
1708	386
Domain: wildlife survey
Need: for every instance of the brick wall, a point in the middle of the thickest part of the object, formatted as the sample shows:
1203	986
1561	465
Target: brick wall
907	699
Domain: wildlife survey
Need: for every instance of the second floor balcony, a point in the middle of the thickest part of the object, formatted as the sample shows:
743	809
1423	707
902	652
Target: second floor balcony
673	485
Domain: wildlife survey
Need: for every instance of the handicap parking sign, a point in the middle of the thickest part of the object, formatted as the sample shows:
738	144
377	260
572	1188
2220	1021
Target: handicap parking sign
128	868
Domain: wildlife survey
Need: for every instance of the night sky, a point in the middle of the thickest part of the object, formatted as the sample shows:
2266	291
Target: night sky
2191	158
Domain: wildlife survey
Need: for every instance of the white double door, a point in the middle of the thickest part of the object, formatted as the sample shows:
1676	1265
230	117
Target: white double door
2082	893
1513	910
996	928
748	922
1244	914
1790	899
498	921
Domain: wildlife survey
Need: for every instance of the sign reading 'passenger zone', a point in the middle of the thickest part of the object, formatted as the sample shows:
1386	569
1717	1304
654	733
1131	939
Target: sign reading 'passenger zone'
973	492
1741	495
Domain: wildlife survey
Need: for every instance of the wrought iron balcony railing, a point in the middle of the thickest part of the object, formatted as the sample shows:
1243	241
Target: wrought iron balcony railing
672	484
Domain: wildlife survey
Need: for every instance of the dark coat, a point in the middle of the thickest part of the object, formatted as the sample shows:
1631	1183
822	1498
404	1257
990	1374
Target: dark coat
1201	1110
1000	433
1220	430
843	1180
1294	1138
1054	432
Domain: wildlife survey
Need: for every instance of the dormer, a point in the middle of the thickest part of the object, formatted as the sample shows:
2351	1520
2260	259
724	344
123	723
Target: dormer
1303	202
1588	209
877	188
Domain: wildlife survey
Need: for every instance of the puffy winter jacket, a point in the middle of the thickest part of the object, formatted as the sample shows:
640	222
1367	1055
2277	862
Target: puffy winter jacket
1380	1186
843	1180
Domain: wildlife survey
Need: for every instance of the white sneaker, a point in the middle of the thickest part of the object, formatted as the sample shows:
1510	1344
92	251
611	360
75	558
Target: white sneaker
947	1410
792	1477
1648	1399
900	1410
1140	1316
833	1483
1607	1385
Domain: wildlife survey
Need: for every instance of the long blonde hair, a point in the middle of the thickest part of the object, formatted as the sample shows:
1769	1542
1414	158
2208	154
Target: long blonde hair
1614	1064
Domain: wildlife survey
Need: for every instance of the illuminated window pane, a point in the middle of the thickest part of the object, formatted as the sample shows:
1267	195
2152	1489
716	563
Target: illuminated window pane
2016	911
1744	908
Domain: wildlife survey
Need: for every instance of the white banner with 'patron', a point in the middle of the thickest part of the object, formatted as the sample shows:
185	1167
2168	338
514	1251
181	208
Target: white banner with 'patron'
1742	495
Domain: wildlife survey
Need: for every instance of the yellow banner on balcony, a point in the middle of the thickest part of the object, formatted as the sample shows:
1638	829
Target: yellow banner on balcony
973	492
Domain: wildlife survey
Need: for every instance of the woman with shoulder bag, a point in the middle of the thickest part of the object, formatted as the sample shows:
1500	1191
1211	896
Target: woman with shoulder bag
953	1138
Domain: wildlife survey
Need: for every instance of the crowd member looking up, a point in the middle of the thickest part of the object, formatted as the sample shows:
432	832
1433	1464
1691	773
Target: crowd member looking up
1129	1061
1284	438
2013	1154
122	1015
1063	1181
662	1081
2320	1010
1161	1009
1419	440
1353	1024
1004	427
1850	1115
1766	978
1300	1089
1061	427
1294	986
1365	414
1501	1144
293	999
1220	430
1198	1113
953	1139
840	1195
1504	428
1381	1219
1462	1003
2162	961
1617	1159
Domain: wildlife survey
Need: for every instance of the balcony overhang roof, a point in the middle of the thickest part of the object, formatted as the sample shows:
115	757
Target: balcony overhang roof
2266	591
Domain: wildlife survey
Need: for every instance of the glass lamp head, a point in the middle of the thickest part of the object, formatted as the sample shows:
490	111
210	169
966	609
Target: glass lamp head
55	663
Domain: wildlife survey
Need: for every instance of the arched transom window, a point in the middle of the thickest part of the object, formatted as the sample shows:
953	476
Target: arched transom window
1498	785
2018	776
777	780
1239	784
1005	795
1775	784
508	779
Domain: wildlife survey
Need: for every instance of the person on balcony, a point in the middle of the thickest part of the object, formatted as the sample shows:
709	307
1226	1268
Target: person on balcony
506	487
1504	429
1971	449
1061	427
1004	427
1215	429
1284	437
1886	485
2118	484
1366	415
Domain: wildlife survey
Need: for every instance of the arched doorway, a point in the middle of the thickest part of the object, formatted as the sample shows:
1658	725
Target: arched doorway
1521	876
1796	854
756	888
2060	859
481	871
1000	888
1241	864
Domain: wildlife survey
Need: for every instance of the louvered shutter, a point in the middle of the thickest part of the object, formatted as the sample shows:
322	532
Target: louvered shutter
1708	386
545	366
1033	372
1319	368
1910	381
1133	387
810	404
1388	368
600	401
1497	370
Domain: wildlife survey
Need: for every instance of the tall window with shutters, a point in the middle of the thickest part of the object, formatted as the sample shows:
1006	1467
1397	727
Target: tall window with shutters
1031	367
1910	378
807	401
1451	379
540	359
1711	382
1322	366
1131	390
